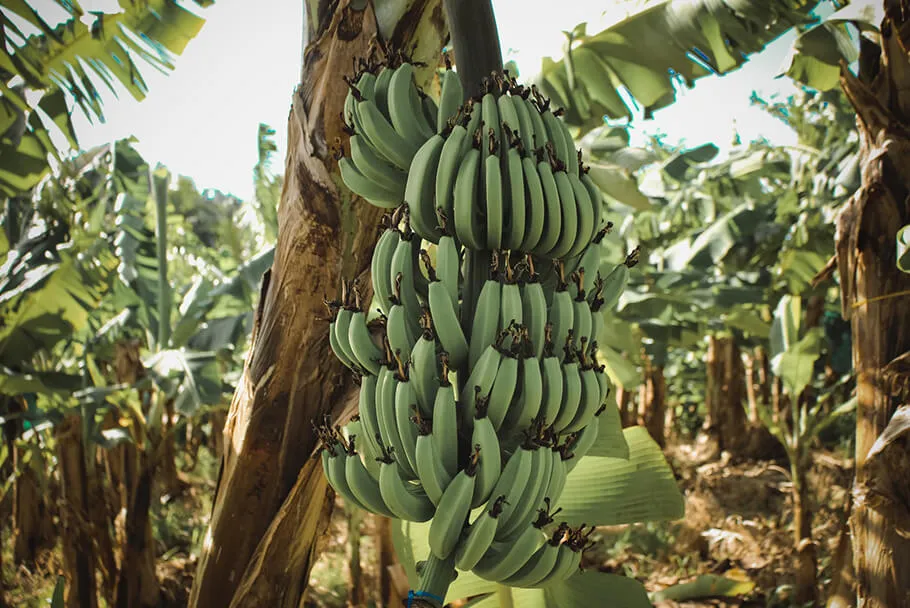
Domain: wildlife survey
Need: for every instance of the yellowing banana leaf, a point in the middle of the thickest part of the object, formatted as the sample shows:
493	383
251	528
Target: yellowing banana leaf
667	43
703	587
613	491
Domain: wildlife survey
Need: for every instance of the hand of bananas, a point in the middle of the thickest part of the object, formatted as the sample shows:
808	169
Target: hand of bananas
472	422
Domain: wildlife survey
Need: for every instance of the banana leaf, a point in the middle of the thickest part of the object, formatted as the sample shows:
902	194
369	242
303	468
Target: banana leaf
612	491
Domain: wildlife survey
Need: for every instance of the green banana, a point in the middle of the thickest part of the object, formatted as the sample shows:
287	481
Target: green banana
383	136
582	319
480	381
490	119
569	208
381	90
524	507
528	396
498	565
380	268
553	213
366	409
364	487
536	209
366	188
425	373
571	396
445	425
503	388
493	197
341	328
400	334
403	266
540	564
386	416
525	127
445	321
365	351
515	212
486	320
377	169
336	346
451	159
450	98
584	441
467	228
534	309
452	511
404	499
486	442
514	478
420	189
551	375
405	402
333	465
589	401
430	109
430	471
479	536
448	261
405	108
587	227
562	316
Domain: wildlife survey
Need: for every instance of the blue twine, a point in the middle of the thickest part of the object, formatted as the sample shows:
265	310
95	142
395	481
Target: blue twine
412	595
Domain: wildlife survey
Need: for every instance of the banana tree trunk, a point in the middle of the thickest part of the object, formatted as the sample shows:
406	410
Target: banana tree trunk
875	299
33	523
652	403
77	529
271	497
724	394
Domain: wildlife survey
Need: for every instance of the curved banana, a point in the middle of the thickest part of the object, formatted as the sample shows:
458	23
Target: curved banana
551	375
448	264
420	190
515	215
493	198
589	401
451	159
333	465
450	98
479	536
381	89
536	209
525	127
364	487
445	321
403	499
401	336
489	113
383	136
380	268
523	508
486	321
582	320
528	397
511	311
583	443
539	565
571	396
424	372
498	565
480	381
405	404
405	108
587	228
341	328
403	267
376	169
503	389
368	355
445	427
386	389
366	409
484	440
569	225
562	316
430	471
452	511
553	213
336	346
467	228
534	311
366	188
567	560
514	479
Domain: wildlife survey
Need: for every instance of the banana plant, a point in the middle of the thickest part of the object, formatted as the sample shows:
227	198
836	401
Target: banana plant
69	63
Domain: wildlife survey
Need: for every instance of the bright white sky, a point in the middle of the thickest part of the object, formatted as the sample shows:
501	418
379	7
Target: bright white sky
202	119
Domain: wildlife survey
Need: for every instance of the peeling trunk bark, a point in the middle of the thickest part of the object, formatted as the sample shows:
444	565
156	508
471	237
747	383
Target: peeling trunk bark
875	300
624	402
271	497
806	566
386	558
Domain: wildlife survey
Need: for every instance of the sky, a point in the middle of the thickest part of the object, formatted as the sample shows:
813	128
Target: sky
202	119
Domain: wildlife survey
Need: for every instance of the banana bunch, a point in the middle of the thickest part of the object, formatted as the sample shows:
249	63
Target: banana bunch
502	167
472	415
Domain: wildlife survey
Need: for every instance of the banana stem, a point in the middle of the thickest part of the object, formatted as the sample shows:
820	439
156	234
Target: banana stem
473	33
435	579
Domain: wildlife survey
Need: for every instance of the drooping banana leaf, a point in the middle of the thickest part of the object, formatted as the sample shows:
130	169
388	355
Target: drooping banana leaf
613	491
668	42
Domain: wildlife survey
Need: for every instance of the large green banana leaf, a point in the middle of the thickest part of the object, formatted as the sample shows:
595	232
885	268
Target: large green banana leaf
86	52
641	59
